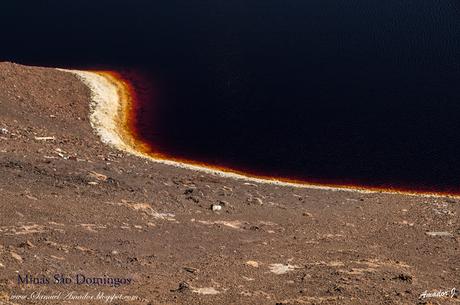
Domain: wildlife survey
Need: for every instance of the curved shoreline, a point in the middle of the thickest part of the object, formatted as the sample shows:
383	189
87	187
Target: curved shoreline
111	104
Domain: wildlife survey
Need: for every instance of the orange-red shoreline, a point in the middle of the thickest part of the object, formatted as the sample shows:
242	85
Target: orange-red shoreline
125	119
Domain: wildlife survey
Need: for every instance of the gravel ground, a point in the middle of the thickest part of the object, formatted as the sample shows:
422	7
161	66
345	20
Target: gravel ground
82	223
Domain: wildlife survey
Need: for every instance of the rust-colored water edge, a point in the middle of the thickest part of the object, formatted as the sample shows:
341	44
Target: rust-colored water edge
116	106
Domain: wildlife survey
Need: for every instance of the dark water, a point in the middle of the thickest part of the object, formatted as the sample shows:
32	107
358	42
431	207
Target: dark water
340	91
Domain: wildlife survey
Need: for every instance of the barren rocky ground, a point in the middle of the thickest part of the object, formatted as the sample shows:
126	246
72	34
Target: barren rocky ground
71	205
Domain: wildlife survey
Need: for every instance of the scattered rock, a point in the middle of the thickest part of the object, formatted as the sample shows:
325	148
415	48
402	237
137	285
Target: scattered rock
231	224
98	176
336	288
255	200
216	207
253	264
183	287
45	138
188	191
146	209
61	153
206	290
403	277
193	198
27	244
440	234
282	268
224	203
83	249
191	269
92	227
16	256
60	258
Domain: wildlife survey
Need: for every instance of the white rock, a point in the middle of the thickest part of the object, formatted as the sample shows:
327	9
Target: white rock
16	256
216	207
282	268
443	234
206	290
252	264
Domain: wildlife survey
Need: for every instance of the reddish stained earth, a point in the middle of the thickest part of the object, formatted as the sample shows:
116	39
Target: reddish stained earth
142	98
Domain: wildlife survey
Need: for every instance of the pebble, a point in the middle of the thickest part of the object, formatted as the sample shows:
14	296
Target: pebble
183	286
45	138
27	244
216	207
282	268
252	264
191	269
16	256
206	290
442	234
98	176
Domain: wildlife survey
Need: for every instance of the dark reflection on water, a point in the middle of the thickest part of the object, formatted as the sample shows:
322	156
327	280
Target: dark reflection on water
343	91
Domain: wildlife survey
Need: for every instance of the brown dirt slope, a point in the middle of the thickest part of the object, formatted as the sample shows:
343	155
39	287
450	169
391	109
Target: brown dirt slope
71	205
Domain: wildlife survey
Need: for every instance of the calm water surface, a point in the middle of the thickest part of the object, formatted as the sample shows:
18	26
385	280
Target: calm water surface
338	91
